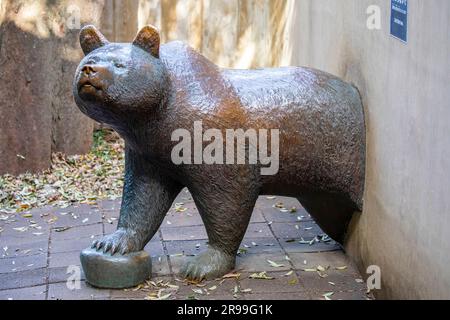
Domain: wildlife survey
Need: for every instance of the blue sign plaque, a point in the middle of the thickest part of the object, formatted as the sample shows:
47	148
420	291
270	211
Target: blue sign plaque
399	19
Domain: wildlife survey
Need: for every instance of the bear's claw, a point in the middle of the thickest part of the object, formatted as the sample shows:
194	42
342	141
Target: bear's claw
120	241
208	265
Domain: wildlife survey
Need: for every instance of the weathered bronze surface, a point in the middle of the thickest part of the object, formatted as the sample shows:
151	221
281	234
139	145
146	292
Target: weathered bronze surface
104	270
145	92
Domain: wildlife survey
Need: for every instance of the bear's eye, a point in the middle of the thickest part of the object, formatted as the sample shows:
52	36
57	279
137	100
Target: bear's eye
119	65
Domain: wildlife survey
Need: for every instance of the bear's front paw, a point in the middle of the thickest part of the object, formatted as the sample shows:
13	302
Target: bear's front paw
211	264
122	240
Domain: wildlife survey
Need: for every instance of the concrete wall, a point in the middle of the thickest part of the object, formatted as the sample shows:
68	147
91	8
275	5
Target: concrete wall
406	91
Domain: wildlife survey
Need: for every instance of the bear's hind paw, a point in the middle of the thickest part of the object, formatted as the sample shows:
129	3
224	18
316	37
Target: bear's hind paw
208	265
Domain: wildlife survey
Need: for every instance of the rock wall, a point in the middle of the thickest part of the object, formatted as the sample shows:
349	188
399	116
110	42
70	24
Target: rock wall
39	52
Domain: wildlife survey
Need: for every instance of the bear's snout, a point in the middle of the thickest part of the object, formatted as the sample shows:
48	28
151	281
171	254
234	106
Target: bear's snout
89	70
93	78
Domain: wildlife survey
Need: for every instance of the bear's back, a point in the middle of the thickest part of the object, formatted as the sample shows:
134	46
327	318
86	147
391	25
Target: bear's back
288	87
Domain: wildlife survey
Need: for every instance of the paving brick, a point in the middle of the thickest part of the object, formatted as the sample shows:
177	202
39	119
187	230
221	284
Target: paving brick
184	195
263	245
13	230
154	248
178	219
188	206
64	259
27	239
61	274
110	227
15	264
28	278
83	210
39	216
297	247
181	236
227	296
30	293
275	215
62	245
258	230
302	295
280	283
288	230
258	262
342	295
129	294
184	233
79	215
39	213
109	205
332	259
257	216
78	232
267	201
65	218
111	214
23	250
340	281
188	247
59	291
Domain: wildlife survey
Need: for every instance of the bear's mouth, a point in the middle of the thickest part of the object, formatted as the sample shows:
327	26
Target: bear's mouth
89	85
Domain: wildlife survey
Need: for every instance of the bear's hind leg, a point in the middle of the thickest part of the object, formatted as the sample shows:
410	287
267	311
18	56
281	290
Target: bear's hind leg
332	212
225	208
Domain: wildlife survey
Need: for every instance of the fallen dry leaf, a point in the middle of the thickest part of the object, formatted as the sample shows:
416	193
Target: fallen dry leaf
327	295
21	229
199	291
341	268
274	264
231	275
61	229
78	178
261	276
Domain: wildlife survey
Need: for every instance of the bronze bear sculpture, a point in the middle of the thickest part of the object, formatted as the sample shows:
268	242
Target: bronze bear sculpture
145	92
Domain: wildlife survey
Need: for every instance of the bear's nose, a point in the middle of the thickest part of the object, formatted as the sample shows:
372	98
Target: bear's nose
87	70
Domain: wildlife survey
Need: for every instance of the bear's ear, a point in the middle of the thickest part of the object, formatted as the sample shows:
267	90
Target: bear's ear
148	39
91	39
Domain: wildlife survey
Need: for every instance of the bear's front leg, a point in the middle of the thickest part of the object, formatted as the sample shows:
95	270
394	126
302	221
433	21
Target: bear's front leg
225	200
147	196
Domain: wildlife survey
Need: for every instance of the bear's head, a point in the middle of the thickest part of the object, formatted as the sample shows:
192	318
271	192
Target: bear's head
118	80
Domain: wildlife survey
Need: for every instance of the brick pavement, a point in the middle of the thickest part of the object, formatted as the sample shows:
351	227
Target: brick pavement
36	251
